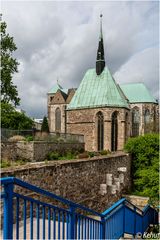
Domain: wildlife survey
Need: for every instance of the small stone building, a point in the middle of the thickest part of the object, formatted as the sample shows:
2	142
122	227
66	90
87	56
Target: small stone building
104	112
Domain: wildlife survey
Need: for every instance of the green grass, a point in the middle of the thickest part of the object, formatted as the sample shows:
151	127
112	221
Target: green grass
6	163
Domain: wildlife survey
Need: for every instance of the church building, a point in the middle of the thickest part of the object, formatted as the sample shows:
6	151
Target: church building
106	113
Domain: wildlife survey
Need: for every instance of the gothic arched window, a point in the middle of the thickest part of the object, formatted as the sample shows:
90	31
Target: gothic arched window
126	127
135	121
114	131
146	116
100	131
58	120
147	121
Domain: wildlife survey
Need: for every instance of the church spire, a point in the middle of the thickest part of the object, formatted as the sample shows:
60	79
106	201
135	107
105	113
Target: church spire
100	62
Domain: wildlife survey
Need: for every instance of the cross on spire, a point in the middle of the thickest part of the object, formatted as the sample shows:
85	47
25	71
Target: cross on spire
100	61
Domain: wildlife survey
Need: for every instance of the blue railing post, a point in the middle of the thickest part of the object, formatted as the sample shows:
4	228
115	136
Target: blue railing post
142	223
102	229
123	219
134	222
72	222
8	211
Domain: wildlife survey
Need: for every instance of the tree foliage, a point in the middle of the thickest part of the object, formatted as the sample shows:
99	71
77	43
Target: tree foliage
12	119
145	164
45	127
9	66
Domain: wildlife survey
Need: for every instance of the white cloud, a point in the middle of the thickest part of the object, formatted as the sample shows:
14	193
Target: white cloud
60	39
142	67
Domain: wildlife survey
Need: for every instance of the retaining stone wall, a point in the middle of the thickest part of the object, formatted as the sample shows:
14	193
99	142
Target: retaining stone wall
95	182
35	151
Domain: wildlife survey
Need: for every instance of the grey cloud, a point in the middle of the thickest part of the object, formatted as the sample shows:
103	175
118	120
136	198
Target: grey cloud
59	39
143	67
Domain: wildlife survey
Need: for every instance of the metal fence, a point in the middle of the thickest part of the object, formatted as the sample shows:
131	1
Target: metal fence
7	133
44	220
41	136
68	137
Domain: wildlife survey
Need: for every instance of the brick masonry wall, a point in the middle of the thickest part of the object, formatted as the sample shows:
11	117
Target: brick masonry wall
36	150
95	183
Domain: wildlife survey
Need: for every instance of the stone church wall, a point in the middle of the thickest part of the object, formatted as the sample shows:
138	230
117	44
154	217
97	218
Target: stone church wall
83	121
95	182
152	126
51	113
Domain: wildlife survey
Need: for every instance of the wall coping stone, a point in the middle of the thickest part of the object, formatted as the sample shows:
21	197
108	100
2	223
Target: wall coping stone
53	142
136	197
57	163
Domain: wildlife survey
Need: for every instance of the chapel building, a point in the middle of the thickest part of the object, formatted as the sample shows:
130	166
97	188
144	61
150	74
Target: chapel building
106	113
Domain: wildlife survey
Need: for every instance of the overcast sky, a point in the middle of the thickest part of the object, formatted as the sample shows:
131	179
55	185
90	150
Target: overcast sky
60	39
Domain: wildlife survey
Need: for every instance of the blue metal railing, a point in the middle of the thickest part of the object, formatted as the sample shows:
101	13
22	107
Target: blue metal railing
26	217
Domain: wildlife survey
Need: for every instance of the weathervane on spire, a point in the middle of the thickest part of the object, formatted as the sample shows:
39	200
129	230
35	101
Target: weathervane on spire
101	36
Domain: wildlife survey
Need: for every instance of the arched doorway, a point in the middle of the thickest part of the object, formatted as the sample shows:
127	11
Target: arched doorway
114	131
100	131
58	120
135	121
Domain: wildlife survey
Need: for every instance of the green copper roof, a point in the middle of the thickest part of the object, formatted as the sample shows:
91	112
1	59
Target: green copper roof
97	91
137	93
65	90
55	89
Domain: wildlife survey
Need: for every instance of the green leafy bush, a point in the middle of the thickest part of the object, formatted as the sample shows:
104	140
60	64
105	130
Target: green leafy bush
104	152
53	156
65	156
29	138
91	154
145	165
14	120
5	164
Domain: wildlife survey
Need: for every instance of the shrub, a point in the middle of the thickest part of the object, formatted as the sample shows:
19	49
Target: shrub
53	156
68	156
57	156
29	138
104	152
145	164
5	164
91	154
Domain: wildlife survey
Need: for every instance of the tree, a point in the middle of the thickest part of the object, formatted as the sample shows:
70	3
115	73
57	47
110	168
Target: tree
45	127
9	66
12	119
145	165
